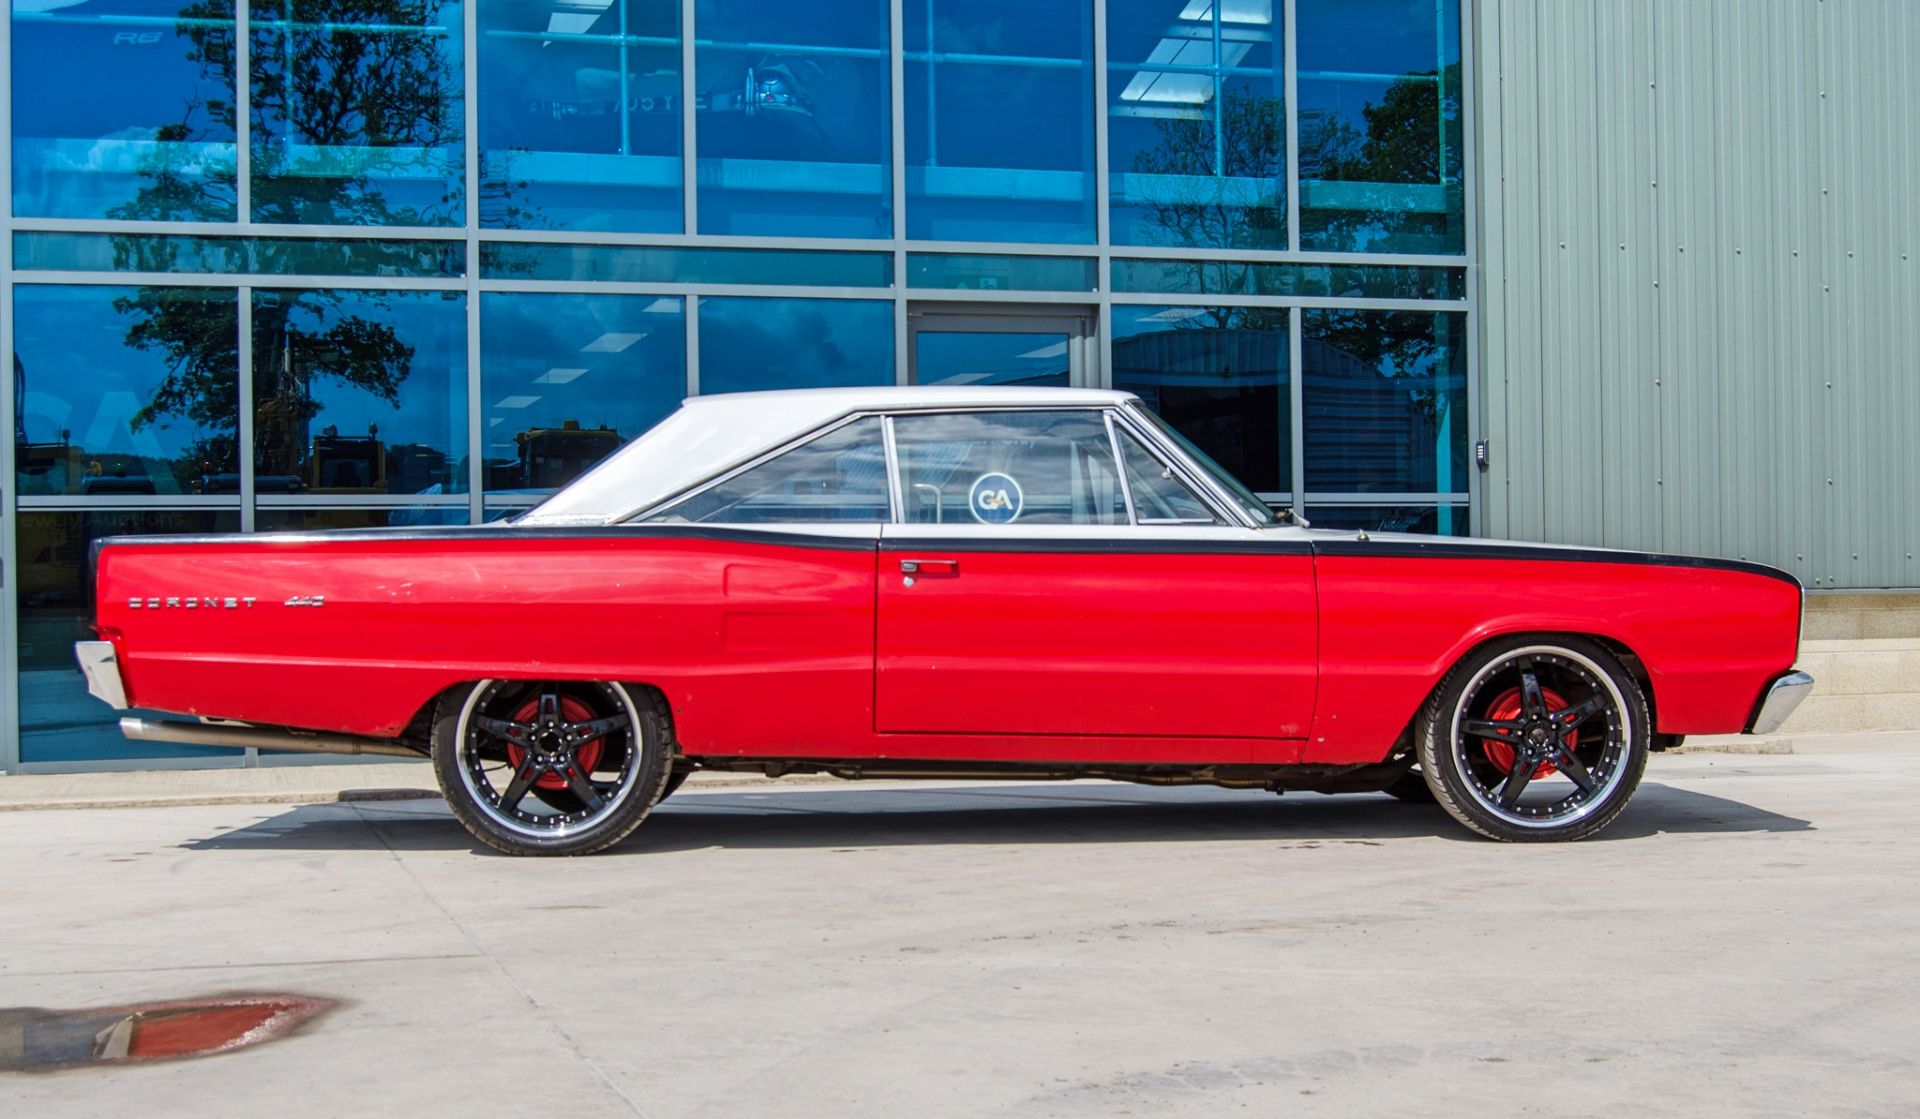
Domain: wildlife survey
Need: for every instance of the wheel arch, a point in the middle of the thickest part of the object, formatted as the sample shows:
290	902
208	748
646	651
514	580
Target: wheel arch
1630	660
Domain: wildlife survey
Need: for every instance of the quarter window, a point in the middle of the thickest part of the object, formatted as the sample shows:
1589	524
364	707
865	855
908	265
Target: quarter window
1159	496
838	478
1000	468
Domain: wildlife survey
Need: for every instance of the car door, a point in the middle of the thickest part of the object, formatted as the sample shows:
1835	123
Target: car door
1019	596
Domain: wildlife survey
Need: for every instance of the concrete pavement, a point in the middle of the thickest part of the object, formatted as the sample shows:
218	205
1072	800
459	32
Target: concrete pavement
272	784
1742	942
343	779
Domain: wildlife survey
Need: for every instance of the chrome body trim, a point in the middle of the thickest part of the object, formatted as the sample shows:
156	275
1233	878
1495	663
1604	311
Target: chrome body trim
896	497
101	666
1200	481
1778	702
1120	466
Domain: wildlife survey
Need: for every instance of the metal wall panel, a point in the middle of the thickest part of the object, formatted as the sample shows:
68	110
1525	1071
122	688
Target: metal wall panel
1699	270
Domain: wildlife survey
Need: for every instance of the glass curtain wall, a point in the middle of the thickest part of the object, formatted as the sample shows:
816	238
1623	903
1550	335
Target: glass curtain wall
306	264
580	118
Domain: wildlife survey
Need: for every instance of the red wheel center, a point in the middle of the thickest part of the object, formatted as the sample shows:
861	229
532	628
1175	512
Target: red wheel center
587	754
1507	706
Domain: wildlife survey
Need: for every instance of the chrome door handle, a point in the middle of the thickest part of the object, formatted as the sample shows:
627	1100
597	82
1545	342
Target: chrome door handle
929	567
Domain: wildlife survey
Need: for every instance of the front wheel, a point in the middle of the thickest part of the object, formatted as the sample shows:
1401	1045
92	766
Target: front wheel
1535	739
551	767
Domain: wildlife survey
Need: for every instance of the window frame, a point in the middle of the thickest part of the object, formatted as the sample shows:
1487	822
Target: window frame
1120	457
1114	418
1106	417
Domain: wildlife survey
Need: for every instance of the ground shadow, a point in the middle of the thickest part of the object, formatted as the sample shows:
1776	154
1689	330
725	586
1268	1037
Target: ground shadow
1023	814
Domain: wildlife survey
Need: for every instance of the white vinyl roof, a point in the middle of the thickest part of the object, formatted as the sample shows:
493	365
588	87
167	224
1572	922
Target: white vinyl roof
709	434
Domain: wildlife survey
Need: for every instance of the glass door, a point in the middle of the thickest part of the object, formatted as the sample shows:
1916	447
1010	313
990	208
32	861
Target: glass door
988	345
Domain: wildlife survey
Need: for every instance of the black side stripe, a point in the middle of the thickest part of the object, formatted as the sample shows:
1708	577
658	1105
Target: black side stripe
1444	549
1098	546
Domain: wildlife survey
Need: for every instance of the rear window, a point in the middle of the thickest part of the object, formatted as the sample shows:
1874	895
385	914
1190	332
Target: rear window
839	477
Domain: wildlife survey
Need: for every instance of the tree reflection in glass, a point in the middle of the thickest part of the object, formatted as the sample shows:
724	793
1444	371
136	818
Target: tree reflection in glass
357	112
99	418
329	413
1380	126
356	120
1197	124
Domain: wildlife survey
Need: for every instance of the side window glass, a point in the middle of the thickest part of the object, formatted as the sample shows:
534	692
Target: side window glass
841	477
1002	468
1159	496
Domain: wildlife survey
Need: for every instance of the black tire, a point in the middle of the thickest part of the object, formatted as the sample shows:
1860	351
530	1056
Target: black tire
676	779
615	765
1410	787
1577	737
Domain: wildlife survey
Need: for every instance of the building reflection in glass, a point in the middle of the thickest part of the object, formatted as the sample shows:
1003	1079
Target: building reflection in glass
580	115
124	109
794	118
359	392
567	379
124	390
1385	401
1220	375
972	67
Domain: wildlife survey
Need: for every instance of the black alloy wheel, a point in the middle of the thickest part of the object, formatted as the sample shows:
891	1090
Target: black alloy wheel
549	767
1535	739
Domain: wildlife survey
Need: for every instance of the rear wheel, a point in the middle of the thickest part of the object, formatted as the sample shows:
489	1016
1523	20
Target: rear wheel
1535	739
550	767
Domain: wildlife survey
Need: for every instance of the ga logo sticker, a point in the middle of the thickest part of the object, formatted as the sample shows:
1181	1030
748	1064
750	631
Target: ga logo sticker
995	499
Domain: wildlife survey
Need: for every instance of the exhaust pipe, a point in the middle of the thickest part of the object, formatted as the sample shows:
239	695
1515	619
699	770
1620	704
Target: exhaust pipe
240	736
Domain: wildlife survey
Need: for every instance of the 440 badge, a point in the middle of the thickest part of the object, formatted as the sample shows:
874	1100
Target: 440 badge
995	499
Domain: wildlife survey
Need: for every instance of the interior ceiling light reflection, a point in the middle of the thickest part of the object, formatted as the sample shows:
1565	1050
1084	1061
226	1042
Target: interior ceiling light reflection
610	343
1190	43
576	17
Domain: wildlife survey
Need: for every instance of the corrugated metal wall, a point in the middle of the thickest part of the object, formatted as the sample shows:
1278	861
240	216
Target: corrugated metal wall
1700	279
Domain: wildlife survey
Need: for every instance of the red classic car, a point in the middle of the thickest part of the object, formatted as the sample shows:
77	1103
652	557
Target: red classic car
940	582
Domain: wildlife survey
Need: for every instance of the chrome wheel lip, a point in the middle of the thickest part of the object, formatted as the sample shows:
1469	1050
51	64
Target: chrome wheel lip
486	799
1621	735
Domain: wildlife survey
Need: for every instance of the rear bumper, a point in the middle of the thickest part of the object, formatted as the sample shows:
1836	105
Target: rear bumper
1778	701
102	670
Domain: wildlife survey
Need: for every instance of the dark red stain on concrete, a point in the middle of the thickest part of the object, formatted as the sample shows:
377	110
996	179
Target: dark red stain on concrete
33	1038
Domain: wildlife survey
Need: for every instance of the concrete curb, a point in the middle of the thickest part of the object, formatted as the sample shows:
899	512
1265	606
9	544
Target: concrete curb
1864	742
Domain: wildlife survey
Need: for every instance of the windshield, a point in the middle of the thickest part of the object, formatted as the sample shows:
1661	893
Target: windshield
1242	496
